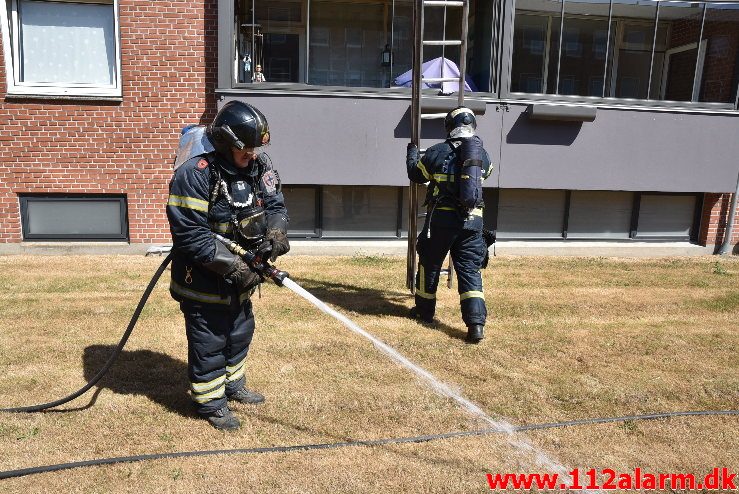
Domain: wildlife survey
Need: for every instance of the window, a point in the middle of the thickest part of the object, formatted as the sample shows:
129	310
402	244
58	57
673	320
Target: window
530	214
600	214
74	217
302	207
648	50
61	48
667	216
271	35
345	49
345	41
360	211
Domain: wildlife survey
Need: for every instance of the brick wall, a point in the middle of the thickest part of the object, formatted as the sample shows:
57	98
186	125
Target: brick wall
169	69
714	220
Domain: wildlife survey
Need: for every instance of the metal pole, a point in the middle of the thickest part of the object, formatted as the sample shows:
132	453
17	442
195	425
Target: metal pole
415	139
728	232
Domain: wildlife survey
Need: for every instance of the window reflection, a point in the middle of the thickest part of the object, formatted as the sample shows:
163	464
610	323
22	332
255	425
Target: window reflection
720	70
675	51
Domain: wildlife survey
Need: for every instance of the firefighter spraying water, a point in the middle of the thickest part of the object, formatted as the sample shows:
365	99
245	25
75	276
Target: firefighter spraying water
223	184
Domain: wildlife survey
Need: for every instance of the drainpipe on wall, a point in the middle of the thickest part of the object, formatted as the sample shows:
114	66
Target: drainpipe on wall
726	246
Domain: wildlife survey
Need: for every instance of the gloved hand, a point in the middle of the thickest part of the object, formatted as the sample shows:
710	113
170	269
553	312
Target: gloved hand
412	155
275	244
243	277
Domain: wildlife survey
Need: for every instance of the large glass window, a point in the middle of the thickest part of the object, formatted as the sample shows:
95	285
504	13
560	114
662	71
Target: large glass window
669	50
270	43
74	217
357	211
346	40
355	43
61	48
301	203
528	213
666	216
720	67
600	214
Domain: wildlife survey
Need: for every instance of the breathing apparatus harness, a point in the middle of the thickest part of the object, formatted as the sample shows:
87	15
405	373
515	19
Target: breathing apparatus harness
454	167
466	194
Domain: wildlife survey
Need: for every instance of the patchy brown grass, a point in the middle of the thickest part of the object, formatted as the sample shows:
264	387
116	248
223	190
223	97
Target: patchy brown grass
568	338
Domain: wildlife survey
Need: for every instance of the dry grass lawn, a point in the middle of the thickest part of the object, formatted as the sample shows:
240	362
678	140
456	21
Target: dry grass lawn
568	338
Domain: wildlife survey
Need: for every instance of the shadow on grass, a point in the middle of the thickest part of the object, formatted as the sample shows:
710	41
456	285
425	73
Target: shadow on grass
371	302
155	375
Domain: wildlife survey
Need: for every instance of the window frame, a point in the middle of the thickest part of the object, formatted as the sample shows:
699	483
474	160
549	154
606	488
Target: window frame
11	48
24	199
500	62
633	234
507	64
317	209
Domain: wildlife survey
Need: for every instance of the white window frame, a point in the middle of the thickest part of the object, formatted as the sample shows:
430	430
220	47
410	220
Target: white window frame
698	74
70	90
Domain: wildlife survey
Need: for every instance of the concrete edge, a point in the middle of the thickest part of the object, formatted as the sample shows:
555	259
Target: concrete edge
383	247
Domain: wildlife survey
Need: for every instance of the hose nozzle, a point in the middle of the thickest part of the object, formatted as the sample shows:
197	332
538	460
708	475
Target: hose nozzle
254	261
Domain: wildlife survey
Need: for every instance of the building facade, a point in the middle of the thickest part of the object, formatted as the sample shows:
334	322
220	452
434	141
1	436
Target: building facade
607	119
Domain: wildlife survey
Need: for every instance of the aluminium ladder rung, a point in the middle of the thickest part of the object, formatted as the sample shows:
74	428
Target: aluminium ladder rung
439	42
442	3
441	79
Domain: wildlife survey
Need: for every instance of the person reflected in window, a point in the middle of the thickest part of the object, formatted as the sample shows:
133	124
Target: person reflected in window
454	171
258	74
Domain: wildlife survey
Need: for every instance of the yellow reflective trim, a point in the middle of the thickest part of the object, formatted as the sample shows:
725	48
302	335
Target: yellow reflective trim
235	375
443	177
221	227
422	167
465	176
209	298
230	369
420	290
213	395
471	294
474	212
206	387
188	202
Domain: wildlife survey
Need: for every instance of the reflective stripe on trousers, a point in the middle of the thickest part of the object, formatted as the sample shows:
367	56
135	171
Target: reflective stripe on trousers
217	342
468	249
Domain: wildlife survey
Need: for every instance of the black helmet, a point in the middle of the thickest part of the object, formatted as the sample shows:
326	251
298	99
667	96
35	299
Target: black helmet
238	125
459	117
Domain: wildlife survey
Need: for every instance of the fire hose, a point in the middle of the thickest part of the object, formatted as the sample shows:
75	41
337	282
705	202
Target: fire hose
262	267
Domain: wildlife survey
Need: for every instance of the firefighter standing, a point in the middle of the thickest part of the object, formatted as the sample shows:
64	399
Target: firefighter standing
454	171
228	188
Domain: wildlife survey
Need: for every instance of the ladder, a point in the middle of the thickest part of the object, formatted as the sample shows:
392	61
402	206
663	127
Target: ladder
417	114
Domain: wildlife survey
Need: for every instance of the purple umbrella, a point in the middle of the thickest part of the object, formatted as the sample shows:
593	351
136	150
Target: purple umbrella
433	68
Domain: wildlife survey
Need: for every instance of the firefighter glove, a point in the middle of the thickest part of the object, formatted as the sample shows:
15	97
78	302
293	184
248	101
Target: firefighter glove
275	244
411	156
243	277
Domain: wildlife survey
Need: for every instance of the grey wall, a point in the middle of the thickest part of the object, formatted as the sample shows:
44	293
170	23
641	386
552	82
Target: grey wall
622	150
358	140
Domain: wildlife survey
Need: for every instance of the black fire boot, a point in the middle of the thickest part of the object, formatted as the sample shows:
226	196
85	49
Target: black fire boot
416	314
223	419
475	332
246	396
